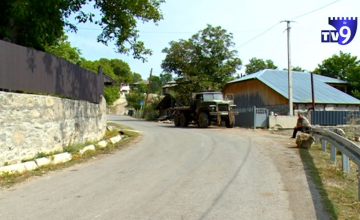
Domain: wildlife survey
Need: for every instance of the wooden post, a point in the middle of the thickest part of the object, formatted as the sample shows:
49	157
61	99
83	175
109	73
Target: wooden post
312	91
148	91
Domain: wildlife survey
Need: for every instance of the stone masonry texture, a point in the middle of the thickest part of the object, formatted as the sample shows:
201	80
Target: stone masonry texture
30	124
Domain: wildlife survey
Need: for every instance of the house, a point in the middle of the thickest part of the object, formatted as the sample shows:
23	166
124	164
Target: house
108	81
168	87
269	89
124	89
136	85
167	102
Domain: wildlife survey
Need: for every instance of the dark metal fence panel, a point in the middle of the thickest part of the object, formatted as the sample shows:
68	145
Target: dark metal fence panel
26	69
245	119
333	118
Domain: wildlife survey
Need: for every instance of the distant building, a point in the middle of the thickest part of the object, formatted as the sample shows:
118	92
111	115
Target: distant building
269	89
168	87
135	85
124	88
108	81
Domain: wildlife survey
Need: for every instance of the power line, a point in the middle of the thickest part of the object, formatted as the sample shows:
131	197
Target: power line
258	36
291	19
315	10
170	32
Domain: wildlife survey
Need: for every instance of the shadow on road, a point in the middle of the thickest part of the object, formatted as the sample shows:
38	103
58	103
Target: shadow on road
189	127
313	177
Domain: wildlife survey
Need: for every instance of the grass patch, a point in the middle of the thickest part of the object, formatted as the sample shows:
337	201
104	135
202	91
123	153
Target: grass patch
339	191
9	179
75	148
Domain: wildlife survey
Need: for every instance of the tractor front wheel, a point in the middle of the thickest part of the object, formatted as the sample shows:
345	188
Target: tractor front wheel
203	120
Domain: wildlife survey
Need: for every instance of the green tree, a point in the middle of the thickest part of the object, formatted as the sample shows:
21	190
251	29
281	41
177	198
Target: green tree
344	67
205	61
164	78
338	66
136	77
256	65
122	70
297	68
111	94
133	99
63	49
38	23
32	23
155	86
142	88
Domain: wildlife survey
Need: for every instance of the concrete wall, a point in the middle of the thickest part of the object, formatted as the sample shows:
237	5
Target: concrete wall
282	121
34	123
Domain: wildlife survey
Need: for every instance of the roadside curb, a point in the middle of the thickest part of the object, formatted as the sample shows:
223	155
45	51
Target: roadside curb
54	159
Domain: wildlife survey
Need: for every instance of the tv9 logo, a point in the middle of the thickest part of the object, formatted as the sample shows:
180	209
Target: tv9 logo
345	31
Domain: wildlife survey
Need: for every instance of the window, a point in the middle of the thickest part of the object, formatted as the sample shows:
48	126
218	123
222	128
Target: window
213	96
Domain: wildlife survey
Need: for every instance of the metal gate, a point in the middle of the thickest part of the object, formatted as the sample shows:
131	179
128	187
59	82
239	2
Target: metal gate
261	117
252	117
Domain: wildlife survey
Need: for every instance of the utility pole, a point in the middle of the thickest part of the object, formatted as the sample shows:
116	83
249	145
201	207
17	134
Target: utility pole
148	90
291	111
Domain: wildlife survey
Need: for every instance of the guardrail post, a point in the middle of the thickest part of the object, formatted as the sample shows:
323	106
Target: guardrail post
359	182
323	145
333	152
345	163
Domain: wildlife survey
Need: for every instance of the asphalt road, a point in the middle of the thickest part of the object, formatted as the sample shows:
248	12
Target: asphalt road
174	173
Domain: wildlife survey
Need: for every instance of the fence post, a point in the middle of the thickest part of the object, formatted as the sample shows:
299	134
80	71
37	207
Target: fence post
323	145
254	117
100	84
345	163
333	152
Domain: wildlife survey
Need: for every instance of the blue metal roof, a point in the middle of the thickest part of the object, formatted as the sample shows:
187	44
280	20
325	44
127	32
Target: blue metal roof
301	82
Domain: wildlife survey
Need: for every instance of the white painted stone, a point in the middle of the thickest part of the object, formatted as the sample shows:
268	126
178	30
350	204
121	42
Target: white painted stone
30	165
110	128
115	139
87	148
13	168
43	161
102	144
61	158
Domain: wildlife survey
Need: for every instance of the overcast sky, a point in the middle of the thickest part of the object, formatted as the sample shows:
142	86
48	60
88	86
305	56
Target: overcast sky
246	20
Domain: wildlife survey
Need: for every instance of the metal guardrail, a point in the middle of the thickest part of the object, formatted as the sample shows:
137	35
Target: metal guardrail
348	149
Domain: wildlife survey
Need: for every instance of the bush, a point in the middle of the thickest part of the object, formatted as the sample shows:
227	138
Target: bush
111	94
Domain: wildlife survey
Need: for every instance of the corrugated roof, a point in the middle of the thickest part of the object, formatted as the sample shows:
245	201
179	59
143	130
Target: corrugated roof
323	93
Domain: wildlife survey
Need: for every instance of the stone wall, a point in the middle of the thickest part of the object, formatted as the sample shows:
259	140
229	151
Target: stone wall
30	124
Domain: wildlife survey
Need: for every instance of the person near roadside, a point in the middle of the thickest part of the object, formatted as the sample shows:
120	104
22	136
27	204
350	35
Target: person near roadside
302	125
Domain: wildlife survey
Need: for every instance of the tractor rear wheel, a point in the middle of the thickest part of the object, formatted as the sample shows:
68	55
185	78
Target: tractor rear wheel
184	121
177	119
